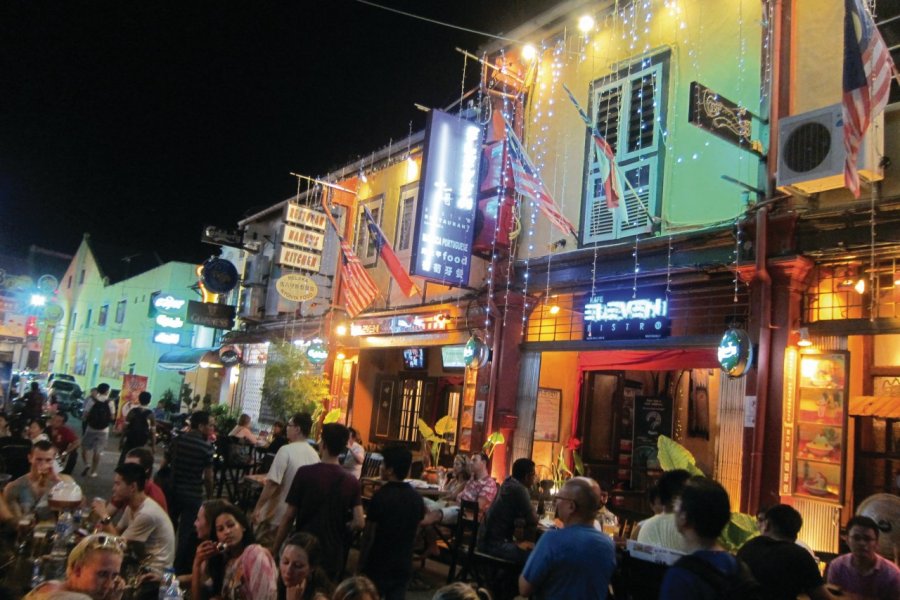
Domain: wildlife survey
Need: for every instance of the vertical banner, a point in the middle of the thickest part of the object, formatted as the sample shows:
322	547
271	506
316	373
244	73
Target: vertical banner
114	354
132	386
80	359
652	418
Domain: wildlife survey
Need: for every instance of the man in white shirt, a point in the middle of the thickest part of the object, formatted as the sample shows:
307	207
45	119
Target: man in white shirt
297	453
144	521
661	530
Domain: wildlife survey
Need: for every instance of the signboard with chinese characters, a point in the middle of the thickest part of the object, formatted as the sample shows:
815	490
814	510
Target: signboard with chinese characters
445	216
299	259
621	316
207	314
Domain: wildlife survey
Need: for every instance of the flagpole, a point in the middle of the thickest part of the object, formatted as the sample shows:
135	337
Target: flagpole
321	182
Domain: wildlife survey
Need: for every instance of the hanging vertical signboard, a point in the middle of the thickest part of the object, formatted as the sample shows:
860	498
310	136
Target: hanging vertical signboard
445	216
652	418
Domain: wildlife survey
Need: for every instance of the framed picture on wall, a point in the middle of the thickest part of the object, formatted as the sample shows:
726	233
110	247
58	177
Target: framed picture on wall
547	415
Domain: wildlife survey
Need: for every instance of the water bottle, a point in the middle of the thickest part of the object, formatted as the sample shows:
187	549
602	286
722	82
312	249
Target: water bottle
65	525
168	587
37	577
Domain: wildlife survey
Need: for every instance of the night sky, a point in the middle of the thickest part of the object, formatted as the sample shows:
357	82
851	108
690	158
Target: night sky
142	122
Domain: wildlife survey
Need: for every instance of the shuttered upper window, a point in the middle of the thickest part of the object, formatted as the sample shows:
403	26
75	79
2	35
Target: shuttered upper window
628	110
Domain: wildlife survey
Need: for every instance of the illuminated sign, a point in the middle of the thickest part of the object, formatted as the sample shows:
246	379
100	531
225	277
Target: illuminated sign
300	259
317	352
304	238
168	303
170	322
166	337
735	352
401	324
208	314
445	218
620	316
300	215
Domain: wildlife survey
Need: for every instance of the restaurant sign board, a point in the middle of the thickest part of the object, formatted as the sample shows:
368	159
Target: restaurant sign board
299	259
207	314
306	217
296	287
622	315
303	238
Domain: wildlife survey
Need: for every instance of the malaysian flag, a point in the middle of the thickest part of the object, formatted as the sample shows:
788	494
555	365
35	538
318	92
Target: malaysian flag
528	183
360	289
386	252
606	162
868	69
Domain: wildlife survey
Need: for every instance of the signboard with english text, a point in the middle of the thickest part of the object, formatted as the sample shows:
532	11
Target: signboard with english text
628	315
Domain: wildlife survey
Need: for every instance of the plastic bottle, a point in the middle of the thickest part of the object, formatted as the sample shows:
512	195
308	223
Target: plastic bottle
169	588
37	576
65	525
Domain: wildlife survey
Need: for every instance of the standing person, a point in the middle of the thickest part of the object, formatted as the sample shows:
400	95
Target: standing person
324	500
513	503
98	419
190	456
34	402
37	430
92	572
782	567
140	427
576	561
391	525
355	456
144	521
270	507
862	573
701	513
300	569
31	491
65	440
88	402
661	530
238	567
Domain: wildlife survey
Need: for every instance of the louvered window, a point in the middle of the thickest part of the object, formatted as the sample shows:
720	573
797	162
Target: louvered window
628	109
365	242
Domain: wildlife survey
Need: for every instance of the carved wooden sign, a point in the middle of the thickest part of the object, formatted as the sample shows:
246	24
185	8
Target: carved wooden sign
719	116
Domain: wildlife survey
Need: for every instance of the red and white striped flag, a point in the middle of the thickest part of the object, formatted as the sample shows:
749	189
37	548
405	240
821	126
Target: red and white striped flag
359	288
868	69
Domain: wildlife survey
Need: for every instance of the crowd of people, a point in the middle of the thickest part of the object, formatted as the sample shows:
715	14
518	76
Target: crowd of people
294	543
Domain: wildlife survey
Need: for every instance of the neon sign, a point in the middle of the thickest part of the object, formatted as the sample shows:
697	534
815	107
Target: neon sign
619	315
166	337
170	322
168	303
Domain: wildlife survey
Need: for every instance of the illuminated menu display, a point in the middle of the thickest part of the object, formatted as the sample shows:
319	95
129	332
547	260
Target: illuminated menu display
445	218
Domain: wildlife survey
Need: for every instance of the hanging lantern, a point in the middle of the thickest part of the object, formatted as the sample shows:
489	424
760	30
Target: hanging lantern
475	353
735	352
317	352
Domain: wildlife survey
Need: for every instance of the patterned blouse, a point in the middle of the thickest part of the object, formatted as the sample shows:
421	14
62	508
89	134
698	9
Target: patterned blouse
251	576
477	488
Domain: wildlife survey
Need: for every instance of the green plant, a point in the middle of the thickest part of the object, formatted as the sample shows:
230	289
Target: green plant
224	418
559	469
435	437
333	416
167	400
292	383
494	440
741	528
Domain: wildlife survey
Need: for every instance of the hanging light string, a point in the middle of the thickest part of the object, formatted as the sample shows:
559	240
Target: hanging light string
738	240
637	268
669	269
502	199
873	278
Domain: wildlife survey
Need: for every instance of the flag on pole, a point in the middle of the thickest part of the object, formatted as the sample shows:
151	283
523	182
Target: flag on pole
528	182
868	69
386	252
609	170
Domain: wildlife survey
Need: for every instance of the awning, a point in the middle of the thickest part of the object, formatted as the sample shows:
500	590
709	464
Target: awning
648	360
182	359
883	407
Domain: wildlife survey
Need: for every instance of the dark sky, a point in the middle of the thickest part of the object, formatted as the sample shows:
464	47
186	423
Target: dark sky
139	122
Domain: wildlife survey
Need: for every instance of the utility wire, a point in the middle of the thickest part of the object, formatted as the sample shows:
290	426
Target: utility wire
436	22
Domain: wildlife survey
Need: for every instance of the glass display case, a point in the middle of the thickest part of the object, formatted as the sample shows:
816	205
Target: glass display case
820	426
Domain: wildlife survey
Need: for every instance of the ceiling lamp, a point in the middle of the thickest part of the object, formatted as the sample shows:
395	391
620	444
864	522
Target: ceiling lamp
860	286
804	341
554	309
529	52
586	23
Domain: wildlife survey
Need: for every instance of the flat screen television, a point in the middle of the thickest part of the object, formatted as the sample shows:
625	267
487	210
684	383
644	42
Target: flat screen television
452	357
414	358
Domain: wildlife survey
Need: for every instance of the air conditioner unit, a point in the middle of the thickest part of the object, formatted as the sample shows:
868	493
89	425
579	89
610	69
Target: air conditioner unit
811	151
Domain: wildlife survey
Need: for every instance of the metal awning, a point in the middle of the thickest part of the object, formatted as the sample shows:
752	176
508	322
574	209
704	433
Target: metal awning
883	407
182	359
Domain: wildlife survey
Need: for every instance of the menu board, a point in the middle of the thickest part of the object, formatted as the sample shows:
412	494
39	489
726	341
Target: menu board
652	418
546	416
820	427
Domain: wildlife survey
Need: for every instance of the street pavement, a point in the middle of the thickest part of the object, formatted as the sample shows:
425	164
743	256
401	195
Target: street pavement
426	581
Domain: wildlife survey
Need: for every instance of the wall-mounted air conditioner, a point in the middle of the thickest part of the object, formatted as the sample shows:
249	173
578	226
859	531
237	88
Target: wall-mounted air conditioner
811	151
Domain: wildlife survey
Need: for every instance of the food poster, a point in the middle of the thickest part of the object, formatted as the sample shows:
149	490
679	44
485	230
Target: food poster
652	418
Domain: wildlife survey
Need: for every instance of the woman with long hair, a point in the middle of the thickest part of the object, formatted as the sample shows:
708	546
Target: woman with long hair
238	568
356	454
356	588
300	567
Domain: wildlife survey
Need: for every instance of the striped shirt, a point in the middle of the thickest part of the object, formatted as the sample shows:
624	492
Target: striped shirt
189	454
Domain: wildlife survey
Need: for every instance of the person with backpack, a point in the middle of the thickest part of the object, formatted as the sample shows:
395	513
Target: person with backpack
140	427
709	572
96	435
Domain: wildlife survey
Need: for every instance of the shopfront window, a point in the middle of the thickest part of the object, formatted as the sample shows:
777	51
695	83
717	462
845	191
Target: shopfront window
365	242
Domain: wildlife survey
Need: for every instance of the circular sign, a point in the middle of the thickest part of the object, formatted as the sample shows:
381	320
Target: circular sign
296	287
735	352
219	276
47	283
53	313
230	355
475	353
317	352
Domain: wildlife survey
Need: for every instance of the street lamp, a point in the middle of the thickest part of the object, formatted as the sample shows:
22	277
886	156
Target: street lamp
38	300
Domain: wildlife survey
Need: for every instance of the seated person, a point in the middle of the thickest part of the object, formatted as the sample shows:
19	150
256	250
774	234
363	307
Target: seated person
785	569
92	572
513	503
144	458
862	573
144	521
480	488
606	517
242	431
31	491
278	439
656	506
458	477
661	530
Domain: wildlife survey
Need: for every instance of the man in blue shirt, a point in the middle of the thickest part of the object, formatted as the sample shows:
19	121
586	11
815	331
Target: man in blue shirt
576	561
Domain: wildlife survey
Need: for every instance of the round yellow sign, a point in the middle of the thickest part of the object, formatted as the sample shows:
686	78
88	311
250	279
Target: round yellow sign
296	287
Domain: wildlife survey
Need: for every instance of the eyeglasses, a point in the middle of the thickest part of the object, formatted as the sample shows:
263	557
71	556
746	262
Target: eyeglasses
98	541
572	500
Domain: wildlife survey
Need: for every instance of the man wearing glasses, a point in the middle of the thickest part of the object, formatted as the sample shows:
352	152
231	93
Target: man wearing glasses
576	561
863	573
92	572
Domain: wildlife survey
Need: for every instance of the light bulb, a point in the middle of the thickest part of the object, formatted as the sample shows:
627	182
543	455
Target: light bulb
341	329
586	23
860	286
554	309
529	52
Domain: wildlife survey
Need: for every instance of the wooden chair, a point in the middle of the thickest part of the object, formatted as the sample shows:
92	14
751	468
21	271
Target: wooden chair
465	535
638	579
371	466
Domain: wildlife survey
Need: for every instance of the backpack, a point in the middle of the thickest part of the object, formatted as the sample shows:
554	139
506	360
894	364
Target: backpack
738	586
137	428
99	416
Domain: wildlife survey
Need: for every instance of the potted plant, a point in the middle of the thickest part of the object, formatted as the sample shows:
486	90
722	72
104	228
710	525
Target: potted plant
433	439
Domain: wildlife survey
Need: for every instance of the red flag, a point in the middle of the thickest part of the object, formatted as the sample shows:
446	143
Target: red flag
360	289
386	252
868	69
